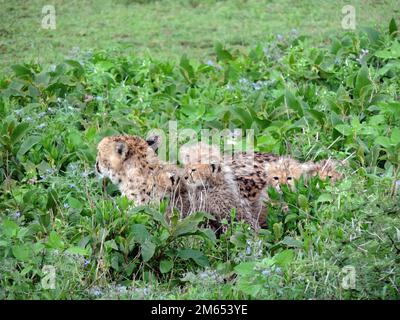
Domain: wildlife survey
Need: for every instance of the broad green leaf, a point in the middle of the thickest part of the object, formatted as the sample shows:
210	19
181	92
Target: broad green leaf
22	252
140	233
293	103
19	131
78	250
188	225
54	241
147	249
325	197
395	137
344	129
362	81
196	255
75	203
284	258
383	141
166	266
245	268
209	234
10	228
249	287
27	145
21	71
292	242
222	54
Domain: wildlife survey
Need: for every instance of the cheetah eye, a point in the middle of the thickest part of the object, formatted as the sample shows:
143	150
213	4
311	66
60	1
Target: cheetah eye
276	178
193	170
330	177
289	178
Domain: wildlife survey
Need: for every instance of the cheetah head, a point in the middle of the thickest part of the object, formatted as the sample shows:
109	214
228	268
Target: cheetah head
120	156
201	175
285	171
328	169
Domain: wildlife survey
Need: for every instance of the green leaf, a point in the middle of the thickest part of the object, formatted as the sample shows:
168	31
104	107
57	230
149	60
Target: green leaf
325	197
291	217
196	255
10	228
148	249
166	266
222	54
292	242
140	233
392	27
75	203
54	241
22	252
188	225
248	287
52	199
27	145
245	268
209	234
317	115
78	250
395	137
21	71
373	35
186	69
19	132
344	129
383	141
392	53
244	116
284	258
158	216
293	103
362	81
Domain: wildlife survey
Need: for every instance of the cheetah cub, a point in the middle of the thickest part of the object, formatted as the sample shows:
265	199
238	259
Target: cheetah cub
285	170
213	189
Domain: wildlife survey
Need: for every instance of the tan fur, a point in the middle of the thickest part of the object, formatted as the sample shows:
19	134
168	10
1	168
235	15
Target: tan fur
285	170
328	169
134	166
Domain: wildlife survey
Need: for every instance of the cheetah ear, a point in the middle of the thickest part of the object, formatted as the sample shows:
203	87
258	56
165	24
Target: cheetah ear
154	142
215	167
122	149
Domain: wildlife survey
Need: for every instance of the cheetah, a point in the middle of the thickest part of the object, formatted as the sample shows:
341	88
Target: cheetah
131	163
212	188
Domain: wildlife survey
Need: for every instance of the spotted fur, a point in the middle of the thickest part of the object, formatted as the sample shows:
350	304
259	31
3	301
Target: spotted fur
133	165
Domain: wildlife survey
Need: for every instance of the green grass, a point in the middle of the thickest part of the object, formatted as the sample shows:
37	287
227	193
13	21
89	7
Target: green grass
312	98
168	29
